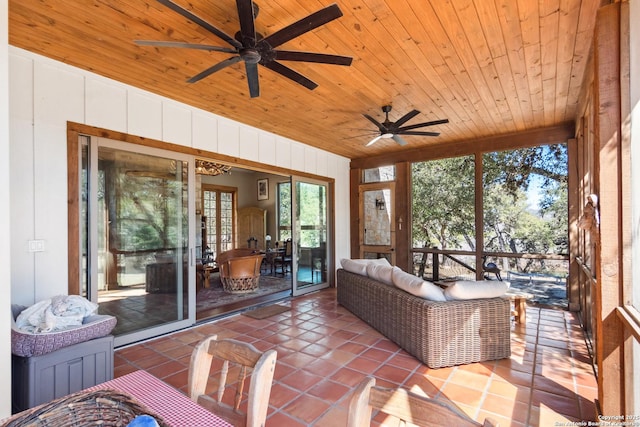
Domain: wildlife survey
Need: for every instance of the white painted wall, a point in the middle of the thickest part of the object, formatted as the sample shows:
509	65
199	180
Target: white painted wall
45	94
5	226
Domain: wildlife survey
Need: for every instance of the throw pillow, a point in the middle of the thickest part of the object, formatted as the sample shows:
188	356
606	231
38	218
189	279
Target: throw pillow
380	272
359	266
416	286
469	289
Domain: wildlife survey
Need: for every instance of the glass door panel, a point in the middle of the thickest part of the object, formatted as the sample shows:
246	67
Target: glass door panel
377	233
139	227
219	221
310	236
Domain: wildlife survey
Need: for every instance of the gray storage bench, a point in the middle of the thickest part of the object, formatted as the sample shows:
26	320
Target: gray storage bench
49	365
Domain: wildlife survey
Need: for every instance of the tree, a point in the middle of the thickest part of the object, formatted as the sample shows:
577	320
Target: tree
443	202
511	173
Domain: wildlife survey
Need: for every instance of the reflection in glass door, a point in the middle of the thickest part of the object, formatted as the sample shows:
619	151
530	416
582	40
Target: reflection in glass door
377	232
310	236
137	241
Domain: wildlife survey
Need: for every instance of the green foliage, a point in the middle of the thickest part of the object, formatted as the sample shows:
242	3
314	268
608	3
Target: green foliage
150	211
312	213
443	204
284	204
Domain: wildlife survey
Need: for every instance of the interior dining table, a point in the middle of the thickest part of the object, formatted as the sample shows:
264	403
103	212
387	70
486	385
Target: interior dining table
176	409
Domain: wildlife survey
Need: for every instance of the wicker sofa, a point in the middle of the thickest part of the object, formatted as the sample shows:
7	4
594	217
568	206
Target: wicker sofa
439	334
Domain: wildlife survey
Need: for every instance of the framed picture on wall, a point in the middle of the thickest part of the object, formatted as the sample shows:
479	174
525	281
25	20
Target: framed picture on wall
263	189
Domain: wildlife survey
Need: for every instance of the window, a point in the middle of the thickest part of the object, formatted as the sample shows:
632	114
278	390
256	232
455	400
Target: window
284	210
443	212
218	219
381	174
525	207
443	206
524	202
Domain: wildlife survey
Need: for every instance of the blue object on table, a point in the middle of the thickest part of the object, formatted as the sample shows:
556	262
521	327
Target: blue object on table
143	421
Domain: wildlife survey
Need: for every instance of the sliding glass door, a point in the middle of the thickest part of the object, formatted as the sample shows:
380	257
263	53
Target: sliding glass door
139	215
311	225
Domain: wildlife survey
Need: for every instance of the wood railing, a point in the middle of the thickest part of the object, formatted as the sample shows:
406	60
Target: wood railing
452	254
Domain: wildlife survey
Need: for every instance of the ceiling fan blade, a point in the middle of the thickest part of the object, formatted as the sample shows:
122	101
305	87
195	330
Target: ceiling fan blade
247	25
374	140
204	24
358	136
399	140
252	79
285	55
402	120
304	25
413	132
184	45
291	74
419	125
219	66
380	126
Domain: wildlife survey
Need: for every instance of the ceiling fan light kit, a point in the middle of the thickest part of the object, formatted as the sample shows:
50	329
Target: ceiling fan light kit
393	130
253	48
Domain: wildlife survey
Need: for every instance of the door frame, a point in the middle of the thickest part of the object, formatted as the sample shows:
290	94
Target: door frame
188	317
295	230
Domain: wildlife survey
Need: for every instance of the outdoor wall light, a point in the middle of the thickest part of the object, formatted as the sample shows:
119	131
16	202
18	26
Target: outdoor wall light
380	204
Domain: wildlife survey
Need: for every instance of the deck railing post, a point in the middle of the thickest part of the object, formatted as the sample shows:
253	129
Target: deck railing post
436	265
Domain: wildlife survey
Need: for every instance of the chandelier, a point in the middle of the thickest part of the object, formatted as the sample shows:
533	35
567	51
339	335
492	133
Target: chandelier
204	167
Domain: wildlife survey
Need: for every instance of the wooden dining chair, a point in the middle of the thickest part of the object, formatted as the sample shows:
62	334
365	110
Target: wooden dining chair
212	356
405	407
283	258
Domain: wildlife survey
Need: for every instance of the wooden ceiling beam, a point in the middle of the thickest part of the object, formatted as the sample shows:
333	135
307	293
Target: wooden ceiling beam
530	138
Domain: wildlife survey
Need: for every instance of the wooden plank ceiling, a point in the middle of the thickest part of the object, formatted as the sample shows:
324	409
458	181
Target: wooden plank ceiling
491	67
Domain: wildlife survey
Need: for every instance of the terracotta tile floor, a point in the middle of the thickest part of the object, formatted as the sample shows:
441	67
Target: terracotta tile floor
324	352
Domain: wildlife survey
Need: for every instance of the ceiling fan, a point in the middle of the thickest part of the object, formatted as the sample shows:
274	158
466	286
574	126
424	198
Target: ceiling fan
253	48
393	130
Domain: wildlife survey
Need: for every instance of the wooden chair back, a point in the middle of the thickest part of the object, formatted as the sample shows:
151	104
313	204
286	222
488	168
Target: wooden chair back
234	253
283	259
228	359
405	406
288	248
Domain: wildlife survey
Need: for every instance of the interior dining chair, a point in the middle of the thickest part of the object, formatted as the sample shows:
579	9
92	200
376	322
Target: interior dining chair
283	259
404	407
225	358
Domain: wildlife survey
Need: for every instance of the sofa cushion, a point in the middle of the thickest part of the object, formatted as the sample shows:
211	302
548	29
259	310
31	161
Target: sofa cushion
380	272
416	286
359	266
469	289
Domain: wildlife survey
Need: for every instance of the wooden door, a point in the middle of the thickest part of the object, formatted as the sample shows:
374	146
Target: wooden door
252	222
377	237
